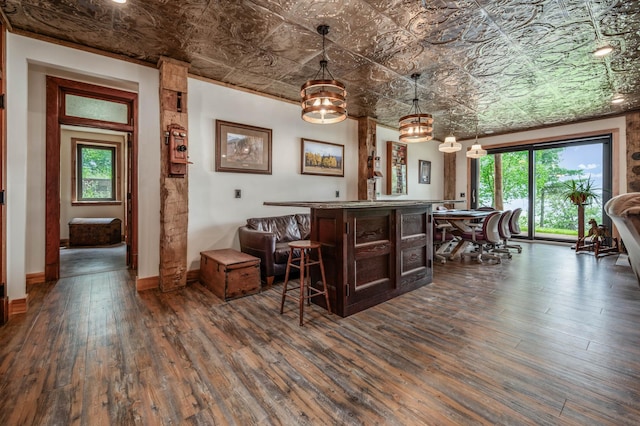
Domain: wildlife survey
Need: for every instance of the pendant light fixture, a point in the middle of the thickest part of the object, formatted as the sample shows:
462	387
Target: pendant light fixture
476	150
417	126
450	144
324	99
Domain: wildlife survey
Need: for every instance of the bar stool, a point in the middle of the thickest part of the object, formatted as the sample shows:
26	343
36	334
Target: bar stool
307	291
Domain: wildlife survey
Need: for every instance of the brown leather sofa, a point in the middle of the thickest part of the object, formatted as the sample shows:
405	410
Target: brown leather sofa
267	238
624	211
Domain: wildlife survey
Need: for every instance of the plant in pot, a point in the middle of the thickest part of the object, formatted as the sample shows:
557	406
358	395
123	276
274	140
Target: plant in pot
580	191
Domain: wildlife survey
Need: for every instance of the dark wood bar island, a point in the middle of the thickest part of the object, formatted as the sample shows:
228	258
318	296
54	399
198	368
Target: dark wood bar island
373	251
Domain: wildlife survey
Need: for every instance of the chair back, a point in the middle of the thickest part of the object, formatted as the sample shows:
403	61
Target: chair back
503	225
514	222
490	228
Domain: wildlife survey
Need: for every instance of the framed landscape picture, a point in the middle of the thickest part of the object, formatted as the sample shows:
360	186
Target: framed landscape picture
424	171
322	158
241	148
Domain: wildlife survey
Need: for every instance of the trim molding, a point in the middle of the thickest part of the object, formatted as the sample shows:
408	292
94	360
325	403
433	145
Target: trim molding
37	278
148	283
193	276
19	306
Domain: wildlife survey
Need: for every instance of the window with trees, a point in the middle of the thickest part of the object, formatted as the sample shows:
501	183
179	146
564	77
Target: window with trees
95	172
535	177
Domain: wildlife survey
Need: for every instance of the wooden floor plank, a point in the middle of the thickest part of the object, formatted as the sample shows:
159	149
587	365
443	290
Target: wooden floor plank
547	337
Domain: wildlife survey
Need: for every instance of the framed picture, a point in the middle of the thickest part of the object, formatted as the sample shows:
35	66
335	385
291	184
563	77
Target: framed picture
322	158
424	171
396	168
242	149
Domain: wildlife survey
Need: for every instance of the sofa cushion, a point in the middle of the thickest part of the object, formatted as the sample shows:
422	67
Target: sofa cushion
285	228
304	224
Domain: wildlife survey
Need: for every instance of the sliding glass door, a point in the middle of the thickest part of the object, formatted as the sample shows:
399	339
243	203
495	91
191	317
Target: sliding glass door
535	178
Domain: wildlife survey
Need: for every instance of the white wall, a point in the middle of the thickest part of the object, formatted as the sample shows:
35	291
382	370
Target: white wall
415	151
28	61
69	211
214	213
556	132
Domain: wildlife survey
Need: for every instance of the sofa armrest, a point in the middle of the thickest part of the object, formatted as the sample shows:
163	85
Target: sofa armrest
260	244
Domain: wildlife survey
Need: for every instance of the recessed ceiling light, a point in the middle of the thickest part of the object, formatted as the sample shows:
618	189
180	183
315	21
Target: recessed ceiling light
617	100
119	1
603	51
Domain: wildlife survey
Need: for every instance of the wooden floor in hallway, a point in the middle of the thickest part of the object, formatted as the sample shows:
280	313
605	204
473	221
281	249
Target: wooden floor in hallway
545	338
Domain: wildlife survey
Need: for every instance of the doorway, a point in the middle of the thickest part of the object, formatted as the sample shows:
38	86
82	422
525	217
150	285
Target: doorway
93	174
102	109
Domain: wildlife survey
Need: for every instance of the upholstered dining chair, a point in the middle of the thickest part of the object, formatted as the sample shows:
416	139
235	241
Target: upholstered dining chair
514	229
442	240
486	235
505	234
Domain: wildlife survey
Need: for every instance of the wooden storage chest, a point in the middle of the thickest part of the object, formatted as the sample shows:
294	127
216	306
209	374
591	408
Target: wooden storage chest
94	231
230	274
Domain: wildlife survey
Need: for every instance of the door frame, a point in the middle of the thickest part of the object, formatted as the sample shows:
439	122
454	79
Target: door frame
57	88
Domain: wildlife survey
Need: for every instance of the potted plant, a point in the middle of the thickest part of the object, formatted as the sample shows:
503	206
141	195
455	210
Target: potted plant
580	191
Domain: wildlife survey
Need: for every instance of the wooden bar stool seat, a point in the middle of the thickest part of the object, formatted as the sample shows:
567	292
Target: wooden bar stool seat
307	290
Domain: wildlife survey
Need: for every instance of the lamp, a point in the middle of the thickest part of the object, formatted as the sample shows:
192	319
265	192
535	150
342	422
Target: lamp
416	127
476	150
324	100
603	51
450	144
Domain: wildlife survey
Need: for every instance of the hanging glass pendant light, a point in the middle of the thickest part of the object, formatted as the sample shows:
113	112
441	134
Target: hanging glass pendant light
324	99
416	126
476	150
450	144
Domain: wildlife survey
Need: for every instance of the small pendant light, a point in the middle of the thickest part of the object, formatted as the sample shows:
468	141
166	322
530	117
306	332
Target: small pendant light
324	99
416	126
450	144
476	150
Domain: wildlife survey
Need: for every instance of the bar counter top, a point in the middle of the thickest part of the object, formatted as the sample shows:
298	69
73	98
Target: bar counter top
360	204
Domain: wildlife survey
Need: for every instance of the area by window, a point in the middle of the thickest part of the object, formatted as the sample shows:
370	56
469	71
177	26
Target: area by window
534	177
95	172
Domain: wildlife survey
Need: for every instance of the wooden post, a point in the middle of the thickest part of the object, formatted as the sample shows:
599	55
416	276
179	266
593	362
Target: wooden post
633	152
449	190
174	191
497	183
366	148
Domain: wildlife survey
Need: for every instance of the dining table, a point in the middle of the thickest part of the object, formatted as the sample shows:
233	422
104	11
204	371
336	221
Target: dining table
459	220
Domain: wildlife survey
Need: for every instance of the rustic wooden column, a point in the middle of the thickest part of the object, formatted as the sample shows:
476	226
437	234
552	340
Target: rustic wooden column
498	192
633	152
449	190
366	148
174	190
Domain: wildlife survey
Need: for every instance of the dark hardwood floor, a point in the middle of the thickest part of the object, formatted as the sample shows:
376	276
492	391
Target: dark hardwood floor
89	260
548	337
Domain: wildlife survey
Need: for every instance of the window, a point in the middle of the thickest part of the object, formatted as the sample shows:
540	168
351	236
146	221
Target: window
95	172
533	177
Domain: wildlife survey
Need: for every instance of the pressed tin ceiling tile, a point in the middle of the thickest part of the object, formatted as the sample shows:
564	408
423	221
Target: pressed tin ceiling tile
507	64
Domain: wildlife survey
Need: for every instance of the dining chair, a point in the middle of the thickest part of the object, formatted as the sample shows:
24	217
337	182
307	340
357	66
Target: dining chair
514	228
487	236
505	234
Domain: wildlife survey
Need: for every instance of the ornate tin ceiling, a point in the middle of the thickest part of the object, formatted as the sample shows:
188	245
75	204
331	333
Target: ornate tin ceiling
512	64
